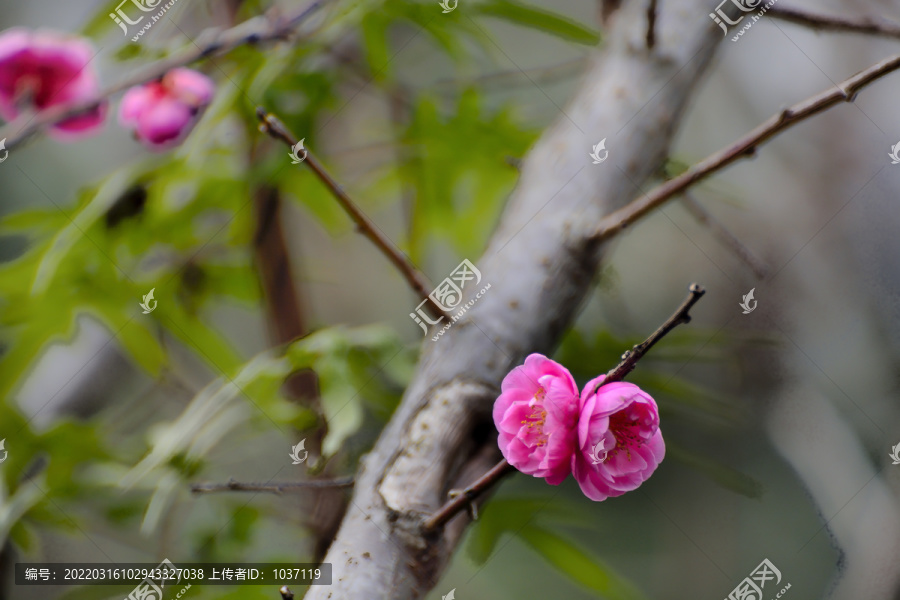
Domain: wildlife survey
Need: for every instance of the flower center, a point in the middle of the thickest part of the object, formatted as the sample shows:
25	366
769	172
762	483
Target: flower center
626	428
534	420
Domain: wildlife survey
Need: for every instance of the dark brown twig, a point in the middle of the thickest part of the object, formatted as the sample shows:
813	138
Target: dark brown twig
846	91
286	593
651	24
209	43
864	25
631	357
276	488
270	124
461	500
702	216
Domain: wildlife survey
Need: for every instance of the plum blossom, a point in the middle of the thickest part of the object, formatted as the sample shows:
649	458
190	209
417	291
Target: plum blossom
42	69
536	415
163	112
622	421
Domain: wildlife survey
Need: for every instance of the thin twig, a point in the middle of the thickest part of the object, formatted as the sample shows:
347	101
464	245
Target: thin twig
286	593
846	91
270	124
724	235
209	43
461	500
864	25
651	24
276	488
631	357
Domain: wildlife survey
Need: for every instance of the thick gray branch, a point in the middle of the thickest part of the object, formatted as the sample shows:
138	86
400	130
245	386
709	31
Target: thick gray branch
540	264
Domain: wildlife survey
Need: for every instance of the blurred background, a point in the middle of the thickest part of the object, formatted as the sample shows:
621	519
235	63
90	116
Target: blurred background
779	423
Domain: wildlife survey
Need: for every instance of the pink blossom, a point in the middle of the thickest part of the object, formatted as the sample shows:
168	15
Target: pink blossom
621	422
536	415
45	69
162	113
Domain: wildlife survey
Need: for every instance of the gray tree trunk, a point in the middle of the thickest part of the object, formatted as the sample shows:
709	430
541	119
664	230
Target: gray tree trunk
540	265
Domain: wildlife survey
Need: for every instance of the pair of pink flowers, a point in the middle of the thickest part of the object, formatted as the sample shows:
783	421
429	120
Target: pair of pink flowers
43	69
608	437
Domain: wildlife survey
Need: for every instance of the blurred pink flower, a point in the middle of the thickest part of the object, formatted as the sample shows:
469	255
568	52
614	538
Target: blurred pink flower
621	422
45	69
163	112
536	415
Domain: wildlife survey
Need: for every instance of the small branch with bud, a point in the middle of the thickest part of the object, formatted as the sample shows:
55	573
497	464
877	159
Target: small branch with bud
273	126
277	487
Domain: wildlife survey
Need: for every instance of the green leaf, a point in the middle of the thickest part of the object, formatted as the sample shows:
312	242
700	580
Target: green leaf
730	479
347	362
520	516
459	195
539	19
374	33
578	565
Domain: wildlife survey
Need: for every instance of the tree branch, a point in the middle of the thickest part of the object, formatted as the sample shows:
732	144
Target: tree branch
864	25
276	488
209	43
846	91
270	124
463	499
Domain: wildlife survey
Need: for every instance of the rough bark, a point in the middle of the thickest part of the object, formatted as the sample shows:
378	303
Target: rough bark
540	263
